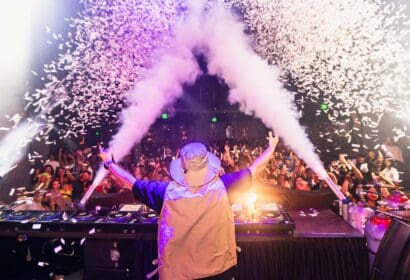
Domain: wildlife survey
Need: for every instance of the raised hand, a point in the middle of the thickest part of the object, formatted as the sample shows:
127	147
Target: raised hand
105	155
273	141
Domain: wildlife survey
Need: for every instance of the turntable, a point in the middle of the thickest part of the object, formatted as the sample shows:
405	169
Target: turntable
49	217
119	217
86	216
267	218
270	216
149	217
19	216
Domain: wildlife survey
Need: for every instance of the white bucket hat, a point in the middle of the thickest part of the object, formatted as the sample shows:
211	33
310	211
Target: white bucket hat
195	166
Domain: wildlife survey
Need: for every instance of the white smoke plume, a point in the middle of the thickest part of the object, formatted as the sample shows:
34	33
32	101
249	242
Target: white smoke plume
254	84
14	145
161	85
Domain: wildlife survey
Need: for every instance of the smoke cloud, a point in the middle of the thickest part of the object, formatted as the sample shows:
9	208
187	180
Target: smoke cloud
14	145
160	86
254	84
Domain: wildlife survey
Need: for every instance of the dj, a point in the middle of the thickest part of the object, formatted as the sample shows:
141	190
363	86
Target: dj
196	232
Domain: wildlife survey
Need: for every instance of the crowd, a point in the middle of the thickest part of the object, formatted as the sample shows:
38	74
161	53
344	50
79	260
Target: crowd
66	176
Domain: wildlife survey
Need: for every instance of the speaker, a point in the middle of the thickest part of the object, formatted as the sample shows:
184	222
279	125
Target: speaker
393	256
108	259
108	253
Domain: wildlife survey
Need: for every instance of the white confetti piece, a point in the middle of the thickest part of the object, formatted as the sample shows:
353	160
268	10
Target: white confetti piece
36	226
42	264
58	249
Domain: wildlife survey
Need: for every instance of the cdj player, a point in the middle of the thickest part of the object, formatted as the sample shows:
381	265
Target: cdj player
128	222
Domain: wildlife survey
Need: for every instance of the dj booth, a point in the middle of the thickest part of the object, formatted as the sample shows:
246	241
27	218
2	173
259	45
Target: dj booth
122	245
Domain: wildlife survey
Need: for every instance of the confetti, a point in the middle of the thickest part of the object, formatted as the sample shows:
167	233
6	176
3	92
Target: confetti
111	51
352	55
36	226
58	249
42	264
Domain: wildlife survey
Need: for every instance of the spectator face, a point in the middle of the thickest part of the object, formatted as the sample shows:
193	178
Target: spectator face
60	171
55	185
281	179
302	184
310	174
372	194
372	155
85	176
361	159
106	184
48	169
42	179
387	162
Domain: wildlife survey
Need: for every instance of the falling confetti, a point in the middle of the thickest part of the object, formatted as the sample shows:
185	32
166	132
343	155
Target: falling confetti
352	56
101	58
58	249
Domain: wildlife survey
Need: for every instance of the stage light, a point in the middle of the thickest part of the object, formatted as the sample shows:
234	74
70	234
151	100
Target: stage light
97	133
214	120
15	19
164	116
324	107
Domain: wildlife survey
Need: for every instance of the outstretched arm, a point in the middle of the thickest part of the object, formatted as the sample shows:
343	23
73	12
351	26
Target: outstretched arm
126	178
263	159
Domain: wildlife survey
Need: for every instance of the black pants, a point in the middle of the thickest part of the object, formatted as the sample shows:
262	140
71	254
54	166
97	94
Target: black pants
227	275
